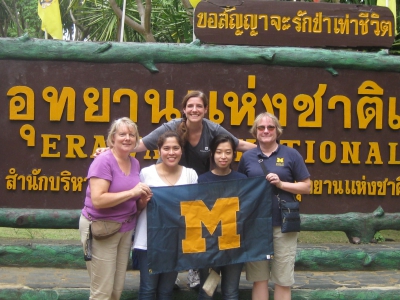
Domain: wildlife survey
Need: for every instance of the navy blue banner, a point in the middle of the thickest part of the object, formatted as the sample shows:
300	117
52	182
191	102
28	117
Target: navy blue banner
209	224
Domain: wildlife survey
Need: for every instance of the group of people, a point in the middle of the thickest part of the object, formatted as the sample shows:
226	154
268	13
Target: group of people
192	150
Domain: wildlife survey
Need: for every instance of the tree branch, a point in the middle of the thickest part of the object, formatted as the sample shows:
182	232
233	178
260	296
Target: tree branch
78	26
189	10
3	27
147	17
15	20
144	17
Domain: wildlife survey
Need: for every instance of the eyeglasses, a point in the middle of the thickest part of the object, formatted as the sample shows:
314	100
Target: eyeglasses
269	127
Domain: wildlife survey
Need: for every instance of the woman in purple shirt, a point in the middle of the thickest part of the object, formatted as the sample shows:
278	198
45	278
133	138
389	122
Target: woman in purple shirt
114	193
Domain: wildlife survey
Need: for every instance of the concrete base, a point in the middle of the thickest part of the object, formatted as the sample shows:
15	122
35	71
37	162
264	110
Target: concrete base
372	273
68	284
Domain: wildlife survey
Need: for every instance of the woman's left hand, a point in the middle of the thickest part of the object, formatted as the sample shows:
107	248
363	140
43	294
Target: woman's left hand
141	189
146	198
142	202
274	179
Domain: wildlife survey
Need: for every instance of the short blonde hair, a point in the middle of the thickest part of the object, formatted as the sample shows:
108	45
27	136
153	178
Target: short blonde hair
116	125
279	129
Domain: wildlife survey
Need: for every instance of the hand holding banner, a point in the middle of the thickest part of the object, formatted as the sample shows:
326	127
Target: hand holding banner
211	224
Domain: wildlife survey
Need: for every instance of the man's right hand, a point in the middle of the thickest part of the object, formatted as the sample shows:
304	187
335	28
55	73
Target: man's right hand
100	151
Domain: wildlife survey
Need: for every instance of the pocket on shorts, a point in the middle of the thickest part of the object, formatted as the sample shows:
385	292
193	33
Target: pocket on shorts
282	272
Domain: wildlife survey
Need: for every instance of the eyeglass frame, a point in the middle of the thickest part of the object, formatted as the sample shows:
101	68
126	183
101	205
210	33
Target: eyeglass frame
269	127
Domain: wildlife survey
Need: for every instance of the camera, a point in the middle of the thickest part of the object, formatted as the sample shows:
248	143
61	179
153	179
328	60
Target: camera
88	246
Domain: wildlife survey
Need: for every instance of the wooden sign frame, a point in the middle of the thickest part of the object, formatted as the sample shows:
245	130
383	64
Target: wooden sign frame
295	24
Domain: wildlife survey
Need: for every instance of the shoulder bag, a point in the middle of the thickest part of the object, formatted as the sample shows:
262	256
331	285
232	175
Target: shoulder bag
290	210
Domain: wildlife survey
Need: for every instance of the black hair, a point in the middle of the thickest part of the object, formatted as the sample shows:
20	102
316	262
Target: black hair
169	134
218	139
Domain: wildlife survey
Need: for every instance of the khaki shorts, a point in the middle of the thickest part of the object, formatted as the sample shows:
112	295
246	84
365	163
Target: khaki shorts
282	266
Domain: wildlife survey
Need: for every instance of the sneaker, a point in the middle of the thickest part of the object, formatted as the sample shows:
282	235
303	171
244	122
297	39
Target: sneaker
176	285
193	279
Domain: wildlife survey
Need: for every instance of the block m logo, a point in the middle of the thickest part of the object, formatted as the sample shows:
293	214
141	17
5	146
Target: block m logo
196	212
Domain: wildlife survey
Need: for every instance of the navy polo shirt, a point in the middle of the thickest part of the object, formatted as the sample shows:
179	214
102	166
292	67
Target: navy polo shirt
284	161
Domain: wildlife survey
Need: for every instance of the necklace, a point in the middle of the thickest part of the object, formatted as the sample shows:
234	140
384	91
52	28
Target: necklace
174	174
167	180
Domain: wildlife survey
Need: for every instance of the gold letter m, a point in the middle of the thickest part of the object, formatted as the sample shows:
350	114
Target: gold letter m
196	212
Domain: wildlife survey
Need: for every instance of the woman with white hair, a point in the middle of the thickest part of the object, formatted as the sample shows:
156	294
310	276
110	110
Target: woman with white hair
285	169
116	194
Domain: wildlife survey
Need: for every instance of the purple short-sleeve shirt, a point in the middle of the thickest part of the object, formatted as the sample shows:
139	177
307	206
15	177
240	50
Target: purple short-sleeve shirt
106	167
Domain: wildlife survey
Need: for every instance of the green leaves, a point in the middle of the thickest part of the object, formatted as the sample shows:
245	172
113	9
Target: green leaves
170	22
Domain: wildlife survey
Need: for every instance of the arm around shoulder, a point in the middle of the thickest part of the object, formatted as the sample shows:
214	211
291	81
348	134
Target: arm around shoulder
244	146
141	147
